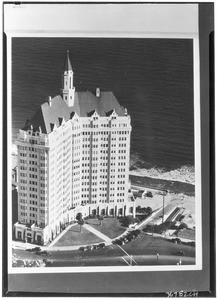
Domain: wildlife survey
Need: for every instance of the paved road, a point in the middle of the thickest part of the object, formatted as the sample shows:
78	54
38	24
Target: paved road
137	260
115	257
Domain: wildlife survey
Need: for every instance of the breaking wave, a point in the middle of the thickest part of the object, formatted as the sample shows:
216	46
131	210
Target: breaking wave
139	167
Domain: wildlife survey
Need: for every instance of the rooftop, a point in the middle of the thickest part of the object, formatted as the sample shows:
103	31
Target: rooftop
85	104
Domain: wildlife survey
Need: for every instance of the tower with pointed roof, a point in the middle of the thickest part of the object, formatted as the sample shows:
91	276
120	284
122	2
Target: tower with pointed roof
68	90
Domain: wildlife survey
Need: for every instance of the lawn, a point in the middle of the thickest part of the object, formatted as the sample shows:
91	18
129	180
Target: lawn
73	237
111	227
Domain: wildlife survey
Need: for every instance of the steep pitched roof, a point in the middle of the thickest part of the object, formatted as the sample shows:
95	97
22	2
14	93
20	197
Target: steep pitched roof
85	104
47	115
67	65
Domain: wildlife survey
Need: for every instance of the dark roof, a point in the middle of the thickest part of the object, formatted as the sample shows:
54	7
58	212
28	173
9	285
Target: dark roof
47	115
109	113
85	104
68	65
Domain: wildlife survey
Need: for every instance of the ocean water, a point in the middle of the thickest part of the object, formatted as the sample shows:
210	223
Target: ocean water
152	78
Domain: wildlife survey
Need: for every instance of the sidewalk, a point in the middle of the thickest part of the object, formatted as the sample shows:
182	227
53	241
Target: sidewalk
149	219
97	233
52	247
22	245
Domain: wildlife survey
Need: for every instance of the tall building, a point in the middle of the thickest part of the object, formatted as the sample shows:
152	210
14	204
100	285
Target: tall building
73	157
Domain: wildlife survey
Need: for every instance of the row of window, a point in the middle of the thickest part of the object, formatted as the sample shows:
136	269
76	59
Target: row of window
103	132
30	149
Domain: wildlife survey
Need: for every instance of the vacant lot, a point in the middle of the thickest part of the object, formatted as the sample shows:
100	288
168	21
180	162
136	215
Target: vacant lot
73	237
187	234
111	227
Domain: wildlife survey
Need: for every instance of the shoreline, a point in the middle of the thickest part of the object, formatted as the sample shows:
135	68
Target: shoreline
161	176
176	187
184	174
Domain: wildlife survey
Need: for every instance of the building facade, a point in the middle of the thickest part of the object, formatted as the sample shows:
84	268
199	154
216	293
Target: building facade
73	157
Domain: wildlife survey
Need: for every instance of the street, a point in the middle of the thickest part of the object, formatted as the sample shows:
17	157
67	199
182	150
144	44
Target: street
143	250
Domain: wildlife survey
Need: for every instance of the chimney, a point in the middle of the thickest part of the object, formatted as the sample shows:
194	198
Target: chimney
97	92
49	100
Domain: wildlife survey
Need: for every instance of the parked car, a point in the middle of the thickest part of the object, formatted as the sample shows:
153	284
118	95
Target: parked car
192	243
89	248
102	245
129	238
181	253
47	262
177	240
148	194
81	248
95	247
44	253
133	225
34	249
137	231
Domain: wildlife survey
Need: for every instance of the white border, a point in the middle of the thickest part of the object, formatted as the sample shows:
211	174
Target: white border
39	21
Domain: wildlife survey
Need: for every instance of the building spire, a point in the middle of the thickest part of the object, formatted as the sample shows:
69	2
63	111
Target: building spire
68	90
68	66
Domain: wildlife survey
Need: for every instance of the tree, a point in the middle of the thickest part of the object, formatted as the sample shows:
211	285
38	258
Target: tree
100	218
81	223
126	221
183	225
138	208
149	210
79	216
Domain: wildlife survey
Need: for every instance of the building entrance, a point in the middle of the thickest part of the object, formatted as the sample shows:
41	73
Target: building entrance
39	239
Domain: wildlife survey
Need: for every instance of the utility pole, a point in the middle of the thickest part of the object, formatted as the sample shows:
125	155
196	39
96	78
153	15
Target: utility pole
130	256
